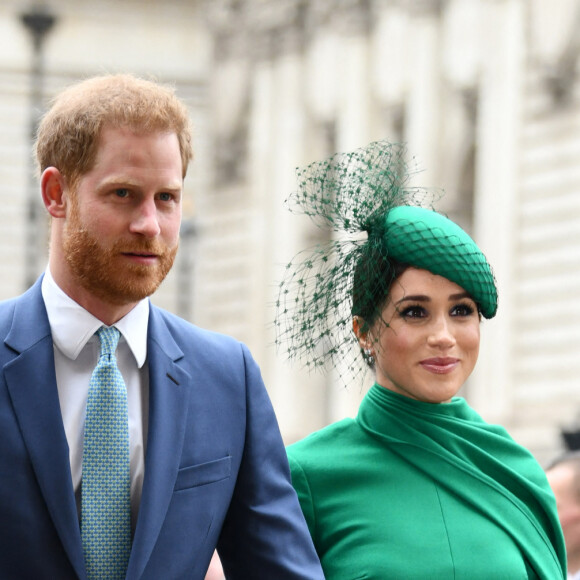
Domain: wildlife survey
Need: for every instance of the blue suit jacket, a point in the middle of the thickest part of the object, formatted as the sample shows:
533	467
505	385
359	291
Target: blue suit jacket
215	469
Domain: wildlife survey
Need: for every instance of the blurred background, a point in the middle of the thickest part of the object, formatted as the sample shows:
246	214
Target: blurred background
486	94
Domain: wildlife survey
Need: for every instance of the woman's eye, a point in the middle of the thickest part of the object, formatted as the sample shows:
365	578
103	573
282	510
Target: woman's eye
462	310
413	312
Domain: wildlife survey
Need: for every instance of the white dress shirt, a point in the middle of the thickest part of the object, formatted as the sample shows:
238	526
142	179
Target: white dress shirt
76	351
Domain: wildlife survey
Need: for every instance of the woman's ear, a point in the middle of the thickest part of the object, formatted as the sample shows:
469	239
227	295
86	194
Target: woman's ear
53	186
361	330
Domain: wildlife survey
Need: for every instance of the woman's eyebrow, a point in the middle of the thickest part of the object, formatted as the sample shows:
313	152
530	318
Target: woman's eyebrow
460	296
423	298
414	298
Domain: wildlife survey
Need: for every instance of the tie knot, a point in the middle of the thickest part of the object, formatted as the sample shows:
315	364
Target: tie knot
109	337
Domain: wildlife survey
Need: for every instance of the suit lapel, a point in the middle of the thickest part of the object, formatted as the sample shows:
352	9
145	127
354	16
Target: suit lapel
167	414
31	382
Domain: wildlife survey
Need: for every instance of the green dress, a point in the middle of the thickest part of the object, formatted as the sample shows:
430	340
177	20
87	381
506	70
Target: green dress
417	490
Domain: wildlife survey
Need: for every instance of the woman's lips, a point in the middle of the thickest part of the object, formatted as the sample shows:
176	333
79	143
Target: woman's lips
440	365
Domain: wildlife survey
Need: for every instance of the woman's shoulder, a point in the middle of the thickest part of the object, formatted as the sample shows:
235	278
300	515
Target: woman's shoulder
319	444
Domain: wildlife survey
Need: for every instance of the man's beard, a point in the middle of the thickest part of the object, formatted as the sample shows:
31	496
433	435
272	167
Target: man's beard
98	269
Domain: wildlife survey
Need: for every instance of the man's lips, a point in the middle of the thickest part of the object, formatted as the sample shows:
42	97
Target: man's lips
141	257
440	365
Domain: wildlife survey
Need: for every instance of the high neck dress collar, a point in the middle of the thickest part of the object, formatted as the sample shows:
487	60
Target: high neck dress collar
381	404
480	463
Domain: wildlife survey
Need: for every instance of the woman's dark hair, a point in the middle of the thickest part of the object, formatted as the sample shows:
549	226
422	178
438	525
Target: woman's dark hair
373	276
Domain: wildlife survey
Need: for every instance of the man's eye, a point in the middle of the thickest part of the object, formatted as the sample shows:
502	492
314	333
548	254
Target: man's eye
165	197
122	192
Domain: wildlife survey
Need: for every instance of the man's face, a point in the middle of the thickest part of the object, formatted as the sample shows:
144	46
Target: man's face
122	228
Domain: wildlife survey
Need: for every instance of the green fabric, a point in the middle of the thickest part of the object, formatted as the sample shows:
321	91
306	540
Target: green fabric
415	490
428	240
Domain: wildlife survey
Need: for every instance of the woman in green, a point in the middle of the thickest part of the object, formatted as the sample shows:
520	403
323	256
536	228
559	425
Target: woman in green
417	485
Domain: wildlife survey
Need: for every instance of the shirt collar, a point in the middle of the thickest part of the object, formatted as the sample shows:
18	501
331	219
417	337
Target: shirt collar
72	326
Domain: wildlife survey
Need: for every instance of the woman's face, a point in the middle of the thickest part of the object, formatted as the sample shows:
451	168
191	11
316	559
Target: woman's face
426	343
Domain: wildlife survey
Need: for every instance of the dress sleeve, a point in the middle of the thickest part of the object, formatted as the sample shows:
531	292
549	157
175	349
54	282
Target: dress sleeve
302	487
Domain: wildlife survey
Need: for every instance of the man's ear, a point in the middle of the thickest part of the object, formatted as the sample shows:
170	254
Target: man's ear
53	186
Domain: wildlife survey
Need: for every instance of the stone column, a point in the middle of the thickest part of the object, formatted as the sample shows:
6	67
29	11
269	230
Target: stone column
354	123
277	140
422	129
354	106
496	194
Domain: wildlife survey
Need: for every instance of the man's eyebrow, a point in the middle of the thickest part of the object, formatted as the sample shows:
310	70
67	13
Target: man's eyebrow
121	182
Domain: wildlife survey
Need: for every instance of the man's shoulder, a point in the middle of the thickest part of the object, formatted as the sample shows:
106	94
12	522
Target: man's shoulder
216	353
185	331
32	294
7	313
23	319
8	305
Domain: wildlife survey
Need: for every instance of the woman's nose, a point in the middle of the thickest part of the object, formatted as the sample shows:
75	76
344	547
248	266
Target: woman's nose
441	334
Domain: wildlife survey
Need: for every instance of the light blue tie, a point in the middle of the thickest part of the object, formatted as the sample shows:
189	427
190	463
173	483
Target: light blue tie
106	478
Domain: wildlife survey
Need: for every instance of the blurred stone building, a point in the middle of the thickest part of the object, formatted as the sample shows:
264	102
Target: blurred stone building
484	92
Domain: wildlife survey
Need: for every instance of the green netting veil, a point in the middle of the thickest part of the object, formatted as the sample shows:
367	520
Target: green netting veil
375	224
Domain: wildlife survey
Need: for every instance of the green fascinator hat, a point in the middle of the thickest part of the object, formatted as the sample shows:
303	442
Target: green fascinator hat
372	223
430	241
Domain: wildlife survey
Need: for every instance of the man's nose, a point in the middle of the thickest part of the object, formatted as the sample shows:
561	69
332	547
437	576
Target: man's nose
146	220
